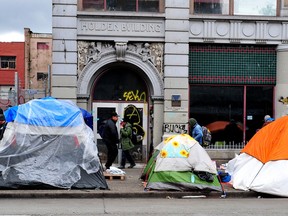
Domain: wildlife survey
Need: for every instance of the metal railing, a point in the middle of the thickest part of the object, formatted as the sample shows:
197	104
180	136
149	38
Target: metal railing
224	145
9	98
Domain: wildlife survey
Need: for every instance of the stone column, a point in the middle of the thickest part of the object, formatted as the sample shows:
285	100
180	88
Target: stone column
157	126
176	69
64	62
281	80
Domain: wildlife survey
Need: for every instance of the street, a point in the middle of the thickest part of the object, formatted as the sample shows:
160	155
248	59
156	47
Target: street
194	206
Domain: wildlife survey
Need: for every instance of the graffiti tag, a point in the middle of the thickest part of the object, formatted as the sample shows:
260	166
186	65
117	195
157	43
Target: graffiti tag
134	96
175	128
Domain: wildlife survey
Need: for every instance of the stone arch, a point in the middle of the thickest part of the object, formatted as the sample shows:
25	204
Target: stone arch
87	77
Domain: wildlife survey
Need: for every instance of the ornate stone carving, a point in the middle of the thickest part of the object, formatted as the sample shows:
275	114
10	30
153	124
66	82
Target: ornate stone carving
94	51
120	51
149	52
91	51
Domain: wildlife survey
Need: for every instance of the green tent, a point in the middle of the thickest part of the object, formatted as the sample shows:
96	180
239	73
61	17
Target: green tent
180	163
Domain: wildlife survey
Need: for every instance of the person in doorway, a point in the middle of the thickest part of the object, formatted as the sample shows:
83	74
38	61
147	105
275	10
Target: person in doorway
233	134
3	124
111	139
267	120
196	130
126	143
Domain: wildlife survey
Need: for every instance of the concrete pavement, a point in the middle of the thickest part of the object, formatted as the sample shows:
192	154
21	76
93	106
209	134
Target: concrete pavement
131	187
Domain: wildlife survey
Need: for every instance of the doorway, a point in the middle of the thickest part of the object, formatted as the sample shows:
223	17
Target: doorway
138	112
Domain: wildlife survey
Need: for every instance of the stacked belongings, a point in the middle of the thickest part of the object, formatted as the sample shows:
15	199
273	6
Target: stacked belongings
180	163
262	163
49	144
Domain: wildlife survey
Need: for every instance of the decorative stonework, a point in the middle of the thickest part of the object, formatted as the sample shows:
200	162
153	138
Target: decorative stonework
91	51
149	52
92	56
120	51
94	51
238	31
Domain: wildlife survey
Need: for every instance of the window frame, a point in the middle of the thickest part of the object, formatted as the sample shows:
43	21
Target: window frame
10	61
160	9
231	9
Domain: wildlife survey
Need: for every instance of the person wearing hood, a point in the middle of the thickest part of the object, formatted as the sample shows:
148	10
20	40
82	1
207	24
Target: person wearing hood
196	130
126	143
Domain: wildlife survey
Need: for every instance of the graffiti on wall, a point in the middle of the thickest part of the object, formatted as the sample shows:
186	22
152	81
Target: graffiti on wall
134	115
176	128
134	96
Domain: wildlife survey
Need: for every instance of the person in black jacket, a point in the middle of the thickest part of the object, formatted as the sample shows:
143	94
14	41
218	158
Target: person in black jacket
3	124
111	139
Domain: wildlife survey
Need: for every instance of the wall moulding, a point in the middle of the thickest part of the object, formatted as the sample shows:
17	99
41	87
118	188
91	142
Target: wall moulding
225	31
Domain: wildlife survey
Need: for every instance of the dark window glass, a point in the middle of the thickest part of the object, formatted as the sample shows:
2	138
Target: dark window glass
120	84
93	4
42	76
211	104
148	5
259	103
8	62
211	6
121	5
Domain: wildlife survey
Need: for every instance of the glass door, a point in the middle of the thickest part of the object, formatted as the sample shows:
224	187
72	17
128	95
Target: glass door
138	114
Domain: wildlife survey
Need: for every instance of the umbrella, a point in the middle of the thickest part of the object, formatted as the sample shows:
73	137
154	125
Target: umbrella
217	126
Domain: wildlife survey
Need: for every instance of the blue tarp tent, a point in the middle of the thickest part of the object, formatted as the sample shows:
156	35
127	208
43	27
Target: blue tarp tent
49	143
43	108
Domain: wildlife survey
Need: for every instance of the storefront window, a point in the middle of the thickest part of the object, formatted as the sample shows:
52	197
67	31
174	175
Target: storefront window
211	7
255	7
120	5
223	105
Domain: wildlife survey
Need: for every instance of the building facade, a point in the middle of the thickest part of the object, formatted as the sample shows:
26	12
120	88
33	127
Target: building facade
38	60
12	65
161	62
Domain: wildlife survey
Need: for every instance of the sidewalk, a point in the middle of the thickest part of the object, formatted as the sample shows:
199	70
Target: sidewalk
131	187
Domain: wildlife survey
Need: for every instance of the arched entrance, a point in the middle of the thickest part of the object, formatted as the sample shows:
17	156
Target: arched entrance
144	89
121	87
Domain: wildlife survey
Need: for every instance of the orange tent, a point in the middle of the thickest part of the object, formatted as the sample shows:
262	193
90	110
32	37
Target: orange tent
271	142
262	164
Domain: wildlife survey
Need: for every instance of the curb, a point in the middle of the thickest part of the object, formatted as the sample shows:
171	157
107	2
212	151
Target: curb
109	194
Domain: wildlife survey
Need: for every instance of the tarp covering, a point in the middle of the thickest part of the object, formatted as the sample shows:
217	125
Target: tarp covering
262	164
177	163
49	143
271	142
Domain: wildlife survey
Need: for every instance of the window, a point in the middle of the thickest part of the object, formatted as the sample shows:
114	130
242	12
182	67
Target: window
42	76
121	5
258	7
211	7
42	45
8	62
228	105
236	7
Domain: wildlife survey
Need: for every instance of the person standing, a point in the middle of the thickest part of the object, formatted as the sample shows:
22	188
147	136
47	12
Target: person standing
111	139
126	143
196	130
3	124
